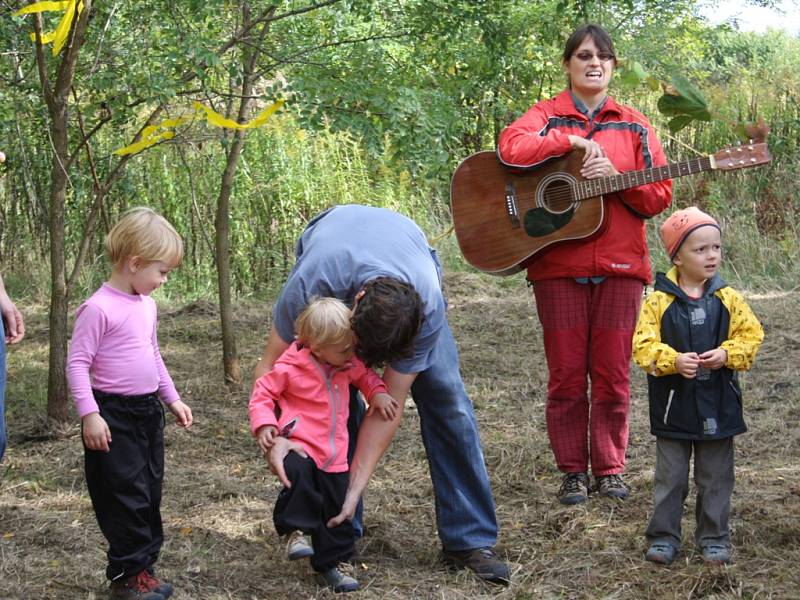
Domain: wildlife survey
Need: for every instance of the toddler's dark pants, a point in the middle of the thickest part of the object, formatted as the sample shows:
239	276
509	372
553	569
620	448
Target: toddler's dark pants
125	483
315	497
714	479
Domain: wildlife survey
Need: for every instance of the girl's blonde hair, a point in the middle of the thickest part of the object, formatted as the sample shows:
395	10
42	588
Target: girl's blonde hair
144	233
323	322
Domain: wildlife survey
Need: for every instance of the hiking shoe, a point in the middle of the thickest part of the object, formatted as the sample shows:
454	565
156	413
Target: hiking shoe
716	555
156	585
574	488
661	553
612	486
298	546
134	588
484	562
338	578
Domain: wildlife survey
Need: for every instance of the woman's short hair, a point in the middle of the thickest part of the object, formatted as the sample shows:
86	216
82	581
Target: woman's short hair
386	321
599	36
322	322
144	233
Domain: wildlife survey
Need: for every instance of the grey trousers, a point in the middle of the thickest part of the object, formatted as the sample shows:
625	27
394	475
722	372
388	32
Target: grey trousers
713	477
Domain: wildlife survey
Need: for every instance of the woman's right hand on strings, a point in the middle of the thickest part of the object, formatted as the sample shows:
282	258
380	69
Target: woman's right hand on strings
96	434
280	449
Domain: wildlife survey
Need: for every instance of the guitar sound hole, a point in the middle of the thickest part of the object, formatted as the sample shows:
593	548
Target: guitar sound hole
557	197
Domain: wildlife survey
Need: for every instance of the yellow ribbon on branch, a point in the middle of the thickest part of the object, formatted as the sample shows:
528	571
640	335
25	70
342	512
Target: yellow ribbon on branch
61	33
214	118
149	137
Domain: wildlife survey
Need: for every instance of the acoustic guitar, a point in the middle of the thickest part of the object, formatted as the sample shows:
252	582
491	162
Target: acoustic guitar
503	217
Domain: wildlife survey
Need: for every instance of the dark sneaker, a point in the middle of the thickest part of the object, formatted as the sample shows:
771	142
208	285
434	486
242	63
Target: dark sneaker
574	488
134	588
338	579
612	486
484	562
716	555
156	585
661	553
298	546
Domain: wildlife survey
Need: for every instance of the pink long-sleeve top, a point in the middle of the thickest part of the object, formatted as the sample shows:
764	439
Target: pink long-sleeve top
114	349
316	399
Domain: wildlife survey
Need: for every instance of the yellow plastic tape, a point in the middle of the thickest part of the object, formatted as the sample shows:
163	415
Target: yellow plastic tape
61	33
214	118
145	143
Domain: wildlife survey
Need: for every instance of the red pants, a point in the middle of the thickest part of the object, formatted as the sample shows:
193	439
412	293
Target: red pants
587	333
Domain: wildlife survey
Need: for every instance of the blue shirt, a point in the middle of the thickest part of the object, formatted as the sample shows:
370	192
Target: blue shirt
346	246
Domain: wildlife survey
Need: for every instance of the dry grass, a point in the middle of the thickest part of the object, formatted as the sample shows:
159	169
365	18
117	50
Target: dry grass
219	495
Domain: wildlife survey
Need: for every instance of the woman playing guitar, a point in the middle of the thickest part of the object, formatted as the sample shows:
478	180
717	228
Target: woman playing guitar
588	290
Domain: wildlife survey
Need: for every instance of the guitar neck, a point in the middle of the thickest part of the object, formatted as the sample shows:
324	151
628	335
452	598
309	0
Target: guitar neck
590	188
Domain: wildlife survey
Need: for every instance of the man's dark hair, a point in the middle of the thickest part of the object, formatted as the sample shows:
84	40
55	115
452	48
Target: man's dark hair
386	320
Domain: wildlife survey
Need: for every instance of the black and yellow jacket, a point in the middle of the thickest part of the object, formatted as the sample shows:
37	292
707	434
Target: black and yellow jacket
710	405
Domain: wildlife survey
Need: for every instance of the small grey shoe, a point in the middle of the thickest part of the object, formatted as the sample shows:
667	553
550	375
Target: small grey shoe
612	486
661	553
298	546
716	555
337	579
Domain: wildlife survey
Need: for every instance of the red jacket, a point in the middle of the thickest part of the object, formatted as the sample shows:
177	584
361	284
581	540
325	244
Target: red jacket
319	401
619	249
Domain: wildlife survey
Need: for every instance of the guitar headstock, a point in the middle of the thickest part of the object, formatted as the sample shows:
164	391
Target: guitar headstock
740	157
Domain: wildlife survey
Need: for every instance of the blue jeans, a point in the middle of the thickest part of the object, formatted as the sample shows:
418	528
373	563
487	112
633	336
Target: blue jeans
465	512
2	394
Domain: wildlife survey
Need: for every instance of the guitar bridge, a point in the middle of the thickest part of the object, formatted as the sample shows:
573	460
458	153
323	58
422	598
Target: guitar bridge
511	206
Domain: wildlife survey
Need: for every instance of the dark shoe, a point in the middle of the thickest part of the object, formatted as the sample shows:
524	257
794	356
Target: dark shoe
134	588
156	585
612	486
298	546
574	488
661	553
716	555
338	579
484	562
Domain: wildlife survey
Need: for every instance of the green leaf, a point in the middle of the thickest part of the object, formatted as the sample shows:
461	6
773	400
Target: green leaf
678	123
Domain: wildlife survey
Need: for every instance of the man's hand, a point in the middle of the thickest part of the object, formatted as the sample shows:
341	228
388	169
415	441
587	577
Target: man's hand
279	451
183	414
96	434
687	364
348	510
14	325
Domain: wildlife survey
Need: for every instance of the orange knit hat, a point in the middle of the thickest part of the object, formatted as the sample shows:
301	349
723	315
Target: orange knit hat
680	224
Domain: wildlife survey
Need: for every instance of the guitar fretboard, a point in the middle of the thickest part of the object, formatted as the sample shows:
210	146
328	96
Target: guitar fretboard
589	188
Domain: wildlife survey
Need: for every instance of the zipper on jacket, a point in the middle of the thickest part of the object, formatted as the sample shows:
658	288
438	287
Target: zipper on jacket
669	404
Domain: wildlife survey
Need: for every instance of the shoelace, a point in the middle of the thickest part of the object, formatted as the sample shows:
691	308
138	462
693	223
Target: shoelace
571	484
613	481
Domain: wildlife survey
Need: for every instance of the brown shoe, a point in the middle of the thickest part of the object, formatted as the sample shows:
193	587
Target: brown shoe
136	587
574	488
612	486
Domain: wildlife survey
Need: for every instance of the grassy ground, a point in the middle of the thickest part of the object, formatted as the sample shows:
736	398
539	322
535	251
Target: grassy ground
219	494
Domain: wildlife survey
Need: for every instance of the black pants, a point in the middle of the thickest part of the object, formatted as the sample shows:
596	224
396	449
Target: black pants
125	483
314	498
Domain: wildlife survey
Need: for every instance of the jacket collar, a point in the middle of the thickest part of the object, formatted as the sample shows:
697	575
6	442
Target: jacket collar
568	105
668	283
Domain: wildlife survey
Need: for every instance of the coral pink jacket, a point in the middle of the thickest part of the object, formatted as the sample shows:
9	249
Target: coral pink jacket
620	248
301	395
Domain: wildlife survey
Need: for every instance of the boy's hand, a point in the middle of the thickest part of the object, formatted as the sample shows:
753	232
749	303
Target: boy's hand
265	436
183	414
385	404
714	359
687	364
96	434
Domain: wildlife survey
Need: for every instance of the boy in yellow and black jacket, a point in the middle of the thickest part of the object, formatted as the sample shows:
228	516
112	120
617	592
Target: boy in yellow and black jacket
694	333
